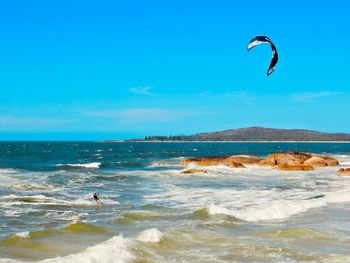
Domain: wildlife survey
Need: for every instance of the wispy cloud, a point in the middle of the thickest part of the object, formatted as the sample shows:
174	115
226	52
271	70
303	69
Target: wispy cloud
144	114
8	123
143	91
310	96
241	95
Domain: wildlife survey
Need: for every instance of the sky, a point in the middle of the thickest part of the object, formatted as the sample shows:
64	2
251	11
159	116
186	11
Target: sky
92	70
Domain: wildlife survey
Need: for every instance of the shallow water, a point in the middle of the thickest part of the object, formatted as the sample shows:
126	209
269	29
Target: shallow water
152	212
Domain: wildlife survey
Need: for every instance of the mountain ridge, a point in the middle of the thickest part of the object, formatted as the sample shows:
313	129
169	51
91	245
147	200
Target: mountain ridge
256	133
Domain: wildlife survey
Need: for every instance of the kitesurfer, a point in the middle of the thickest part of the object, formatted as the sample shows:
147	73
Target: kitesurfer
97	199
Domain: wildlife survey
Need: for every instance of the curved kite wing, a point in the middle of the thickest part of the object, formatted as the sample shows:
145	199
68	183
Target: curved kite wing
261	40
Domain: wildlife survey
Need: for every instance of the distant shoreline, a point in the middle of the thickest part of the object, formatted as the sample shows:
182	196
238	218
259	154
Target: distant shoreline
114	141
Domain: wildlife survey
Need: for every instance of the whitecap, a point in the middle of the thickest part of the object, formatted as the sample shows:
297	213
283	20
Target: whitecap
281	209
86	165
114	250
23	234
152	235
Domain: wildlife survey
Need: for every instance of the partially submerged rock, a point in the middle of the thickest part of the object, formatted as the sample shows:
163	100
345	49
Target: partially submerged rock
289	158
295	167
244	159
286	161
329	159
213	160
191	171
206	161
315	161
267	162
344	171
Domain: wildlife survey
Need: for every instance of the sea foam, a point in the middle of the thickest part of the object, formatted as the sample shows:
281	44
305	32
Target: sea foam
114	250
279	210
152	235
93	165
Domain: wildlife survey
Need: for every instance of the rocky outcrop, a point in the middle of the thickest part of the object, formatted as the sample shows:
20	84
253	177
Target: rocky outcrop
213	160
206	161
289	158
267	162
329	159
315	161
286	161
232	164
344	171
244	159
294	167
191	171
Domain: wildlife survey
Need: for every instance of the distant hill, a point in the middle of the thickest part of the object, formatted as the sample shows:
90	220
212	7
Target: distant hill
256	134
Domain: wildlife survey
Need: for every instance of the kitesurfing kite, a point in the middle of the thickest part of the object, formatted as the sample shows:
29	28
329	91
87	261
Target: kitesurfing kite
261	40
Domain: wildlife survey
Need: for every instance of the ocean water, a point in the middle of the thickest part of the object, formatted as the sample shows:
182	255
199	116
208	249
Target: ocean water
152	212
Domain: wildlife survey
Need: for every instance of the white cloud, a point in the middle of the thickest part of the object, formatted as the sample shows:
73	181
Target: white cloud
143	91
144	114
8	123
310	96
152	114
242	95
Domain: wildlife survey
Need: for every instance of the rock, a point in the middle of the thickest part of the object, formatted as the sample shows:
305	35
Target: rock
295	167
267	162
329	160
244	159
315	161
213	160
207	161
344	171
290	158
232	164
191	171
289	161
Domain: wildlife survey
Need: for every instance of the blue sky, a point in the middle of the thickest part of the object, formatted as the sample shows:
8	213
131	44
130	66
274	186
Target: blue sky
123	69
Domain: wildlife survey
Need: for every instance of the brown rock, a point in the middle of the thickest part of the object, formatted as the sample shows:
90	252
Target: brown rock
232	164
329	160
344	171
213	160
191	171
291	158
244	159
267	162
315	161
207	161
295	167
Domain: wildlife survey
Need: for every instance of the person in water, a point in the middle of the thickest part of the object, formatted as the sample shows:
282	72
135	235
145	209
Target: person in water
97	199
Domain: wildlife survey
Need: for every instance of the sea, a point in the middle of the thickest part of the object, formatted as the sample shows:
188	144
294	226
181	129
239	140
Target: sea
151	212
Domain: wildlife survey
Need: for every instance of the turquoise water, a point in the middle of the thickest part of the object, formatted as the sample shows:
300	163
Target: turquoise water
152	212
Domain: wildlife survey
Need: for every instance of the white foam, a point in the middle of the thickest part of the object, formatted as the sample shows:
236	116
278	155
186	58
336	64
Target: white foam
114	250
23	234
31	200
152	235
86	165
281	209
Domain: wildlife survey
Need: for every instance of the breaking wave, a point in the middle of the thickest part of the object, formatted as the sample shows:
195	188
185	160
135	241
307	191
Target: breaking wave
93	165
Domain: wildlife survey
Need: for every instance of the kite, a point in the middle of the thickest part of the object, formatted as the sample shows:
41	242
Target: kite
261	40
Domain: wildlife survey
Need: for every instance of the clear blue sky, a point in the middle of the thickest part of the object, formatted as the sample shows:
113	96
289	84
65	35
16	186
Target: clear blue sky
122	69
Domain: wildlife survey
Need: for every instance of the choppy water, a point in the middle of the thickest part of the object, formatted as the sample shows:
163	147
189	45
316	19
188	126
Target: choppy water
153	213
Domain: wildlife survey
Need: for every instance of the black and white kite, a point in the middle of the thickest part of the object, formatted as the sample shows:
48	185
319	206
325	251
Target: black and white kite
261	40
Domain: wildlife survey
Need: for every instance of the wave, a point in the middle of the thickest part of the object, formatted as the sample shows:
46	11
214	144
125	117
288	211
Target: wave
80	227
8	171
42	200
280	210
152	235
115	250
23	234
93	165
